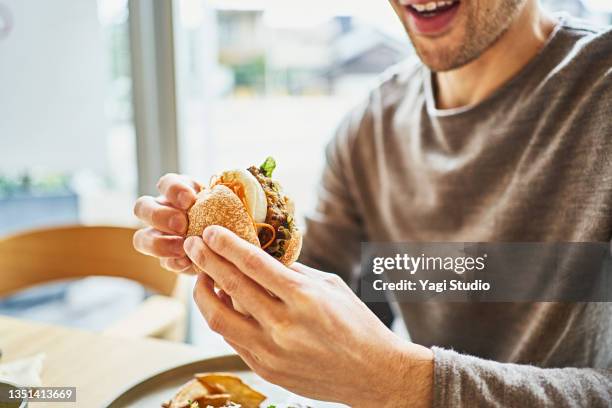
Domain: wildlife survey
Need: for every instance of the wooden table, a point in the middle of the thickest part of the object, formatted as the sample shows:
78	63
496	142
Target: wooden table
98	366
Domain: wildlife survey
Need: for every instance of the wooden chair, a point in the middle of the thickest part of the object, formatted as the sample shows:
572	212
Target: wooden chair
54	254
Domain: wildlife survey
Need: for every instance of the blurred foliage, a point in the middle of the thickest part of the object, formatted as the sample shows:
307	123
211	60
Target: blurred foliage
25	185
250	74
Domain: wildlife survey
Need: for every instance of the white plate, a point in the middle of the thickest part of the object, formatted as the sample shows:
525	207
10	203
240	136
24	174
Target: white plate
159	388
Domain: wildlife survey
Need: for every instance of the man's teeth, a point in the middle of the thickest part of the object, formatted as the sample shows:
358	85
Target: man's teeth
429	6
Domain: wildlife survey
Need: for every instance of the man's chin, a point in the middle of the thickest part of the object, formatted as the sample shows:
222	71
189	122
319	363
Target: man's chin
438	54
442	55
443	52
440	60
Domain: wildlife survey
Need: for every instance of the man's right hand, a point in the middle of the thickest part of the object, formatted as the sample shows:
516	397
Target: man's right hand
165	217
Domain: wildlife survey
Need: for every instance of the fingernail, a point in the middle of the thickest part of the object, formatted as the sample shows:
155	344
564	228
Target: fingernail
185	200
177	223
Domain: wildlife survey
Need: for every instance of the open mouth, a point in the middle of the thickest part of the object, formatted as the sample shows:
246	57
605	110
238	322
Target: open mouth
431	17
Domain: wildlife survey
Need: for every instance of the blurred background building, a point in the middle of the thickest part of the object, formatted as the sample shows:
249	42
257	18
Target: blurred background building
98	98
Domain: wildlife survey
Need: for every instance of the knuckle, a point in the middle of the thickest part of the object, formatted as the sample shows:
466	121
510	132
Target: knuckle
160	218
289	344
230	286
305	300
215	322
297	289
279	322
253	260
199	258
280	332
163	179
333	279
173	191
217	239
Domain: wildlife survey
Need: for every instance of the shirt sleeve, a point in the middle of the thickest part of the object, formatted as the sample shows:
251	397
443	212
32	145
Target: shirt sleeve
334	230
465	381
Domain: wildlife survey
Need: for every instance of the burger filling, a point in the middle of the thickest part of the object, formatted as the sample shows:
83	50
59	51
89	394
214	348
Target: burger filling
278	215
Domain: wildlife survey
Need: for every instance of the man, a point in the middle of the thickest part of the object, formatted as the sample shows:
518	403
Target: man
502	132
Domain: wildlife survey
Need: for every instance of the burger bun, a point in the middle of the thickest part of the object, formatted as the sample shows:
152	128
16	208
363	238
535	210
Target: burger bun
220	206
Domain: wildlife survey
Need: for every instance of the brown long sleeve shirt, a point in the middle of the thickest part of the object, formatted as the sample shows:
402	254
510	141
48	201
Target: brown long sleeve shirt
532	162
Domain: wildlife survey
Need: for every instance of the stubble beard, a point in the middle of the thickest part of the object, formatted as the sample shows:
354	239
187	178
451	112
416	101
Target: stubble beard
482	30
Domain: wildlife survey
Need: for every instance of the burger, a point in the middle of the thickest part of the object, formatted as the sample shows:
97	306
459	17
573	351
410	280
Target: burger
253	206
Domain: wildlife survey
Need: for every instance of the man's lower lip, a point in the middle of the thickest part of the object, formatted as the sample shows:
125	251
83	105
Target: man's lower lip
434	24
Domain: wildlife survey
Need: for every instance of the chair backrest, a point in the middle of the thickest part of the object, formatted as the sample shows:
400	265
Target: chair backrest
53	254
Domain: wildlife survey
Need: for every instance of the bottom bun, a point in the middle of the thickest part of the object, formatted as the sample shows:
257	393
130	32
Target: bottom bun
294	246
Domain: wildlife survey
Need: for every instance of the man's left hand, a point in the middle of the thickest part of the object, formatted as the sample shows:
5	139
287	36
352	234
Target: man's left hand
306	330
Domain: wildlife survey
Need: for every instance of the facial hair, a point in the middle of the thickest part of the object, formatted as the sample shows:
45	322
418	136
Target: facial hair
486	22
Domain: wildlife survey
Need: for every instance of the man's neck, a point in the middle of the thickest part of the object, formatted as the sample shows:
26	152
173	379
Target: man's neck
474	82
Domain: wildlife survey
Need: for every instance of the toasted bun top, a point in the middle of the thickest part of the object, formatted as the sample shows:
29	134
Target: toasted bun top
256	200
220	206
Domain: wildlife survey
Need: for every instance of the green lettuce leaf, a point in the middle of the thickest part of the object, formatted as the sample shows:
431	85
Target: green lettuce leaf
268	167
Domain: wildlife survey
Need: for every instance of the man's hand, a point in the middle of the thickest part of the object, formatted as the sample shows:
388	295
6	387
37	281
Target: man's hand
307	331
166	218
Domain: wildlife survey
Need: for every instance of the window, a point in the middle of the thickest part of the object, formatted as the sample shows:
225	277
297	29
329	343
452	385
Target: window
67	145
66	134
275	78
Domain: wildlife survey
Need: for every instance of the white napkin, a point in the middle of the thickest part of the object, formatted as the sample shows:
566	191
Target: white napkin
25	372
